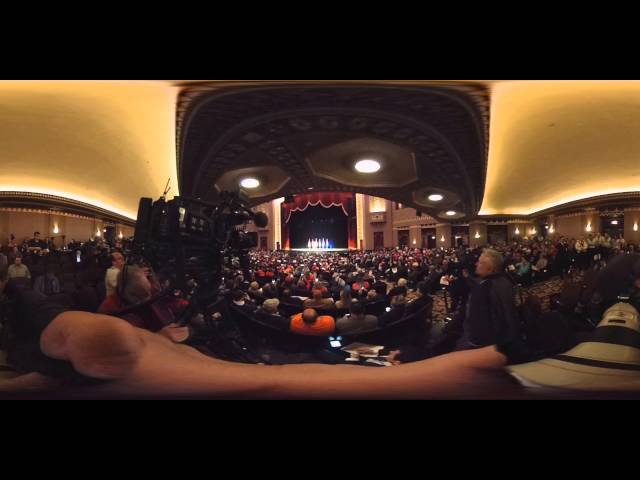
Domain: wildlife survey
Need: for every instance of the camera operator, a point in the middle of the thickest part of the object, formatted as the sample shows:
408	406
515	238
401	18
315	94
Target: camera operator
134	290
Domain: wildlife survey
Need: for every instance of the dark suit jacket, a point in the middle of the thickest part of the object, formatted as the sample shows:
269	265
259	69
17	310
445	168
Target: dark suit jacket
395	314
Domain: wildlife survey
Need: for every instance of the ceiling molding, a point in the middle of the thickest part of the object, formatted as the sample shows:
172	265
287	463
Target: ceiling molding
56	204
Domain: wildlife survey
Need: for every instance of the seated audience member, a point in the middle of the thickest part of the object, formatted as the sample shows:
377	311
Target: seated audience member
380	289
301	289
270	306
269	314
269	291
319	302
522	267
287	299
241	301
345	298
310	323
412	294
47	284
356	321
422	300
254	290
395	313
541	264
18	269
400	289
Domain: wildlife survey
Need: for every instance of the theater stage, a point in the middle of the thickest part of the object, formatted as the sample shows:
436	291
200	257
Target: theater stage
319	250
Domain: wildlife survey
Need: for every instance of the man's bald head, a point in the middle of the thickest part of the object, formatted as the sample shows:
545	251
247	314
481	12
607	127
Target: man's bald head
309	315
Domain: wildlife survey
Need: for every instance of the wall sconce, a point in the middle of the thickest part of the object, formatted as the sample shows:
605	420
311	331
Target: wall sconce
120	235
533	231
551	229
588	229
433	238
414	241
442	238
56	229
477	235
517	232
98	233
635	227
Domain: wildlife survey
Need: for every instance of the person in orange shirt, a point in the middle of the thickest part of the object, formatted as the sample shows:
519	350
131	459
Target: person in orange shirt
310	323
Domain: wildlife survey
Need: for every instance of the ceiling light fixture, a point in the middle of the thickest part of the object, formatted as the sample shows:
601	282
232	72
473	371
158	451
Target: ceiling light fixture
367	166
249	182
435	197
451	213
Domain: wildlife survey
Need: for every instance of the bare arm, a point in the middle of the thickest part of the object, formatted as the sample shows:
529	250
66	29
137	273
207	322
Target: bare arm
142	363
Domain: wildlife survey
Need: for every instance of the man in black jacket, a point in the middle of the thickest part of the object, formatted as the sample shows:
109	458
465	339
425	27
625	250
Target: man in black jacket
491	316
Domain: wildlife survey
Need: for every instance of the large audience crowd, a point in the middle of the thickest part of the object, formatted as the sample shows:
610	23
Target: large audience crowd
317	294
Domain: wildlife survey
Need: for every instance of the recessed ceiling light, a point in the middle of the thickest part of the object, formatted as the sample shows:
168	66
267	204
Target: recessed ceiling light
451	213
367	166
309	188
614	222
249	182
436	197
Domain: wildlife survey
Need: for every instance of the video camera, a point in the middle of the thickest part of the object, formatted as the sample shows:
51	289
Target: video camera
185	240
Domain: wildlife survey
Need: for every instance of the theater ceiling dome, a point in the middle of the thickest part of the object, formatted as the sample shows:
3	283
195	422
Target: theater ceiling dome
427	138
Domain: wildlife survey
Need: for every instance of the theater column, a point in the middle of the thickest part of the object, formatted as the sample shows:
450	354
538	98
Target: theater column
276	223
478	233
632	225
443	235
4	227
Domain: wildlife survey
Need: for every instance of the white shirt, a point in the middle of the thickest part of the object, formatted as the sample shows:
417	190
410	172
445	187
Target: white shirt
111	280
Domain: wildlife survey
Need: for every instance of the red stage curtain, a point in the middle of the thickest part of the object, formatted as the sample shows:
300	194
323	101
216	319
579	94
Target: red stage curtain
327	200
